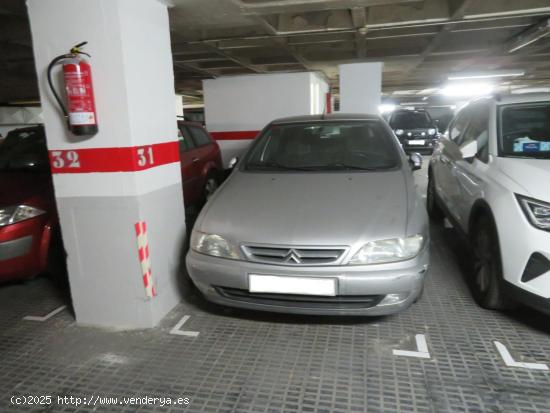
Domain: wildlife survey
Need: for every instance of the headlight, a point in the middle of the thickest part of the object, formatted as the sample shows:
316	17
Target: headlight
537	212
388	250
399	132
212	244
11	215
431	131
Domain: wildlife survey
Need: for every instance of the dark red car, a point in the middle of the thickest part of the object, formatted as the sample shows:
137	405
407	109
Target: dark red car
29	229
201	163
28	217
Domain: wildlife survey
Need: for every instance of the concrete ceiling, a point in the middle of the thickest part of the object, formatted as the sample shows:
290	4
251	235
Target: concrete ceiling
420	42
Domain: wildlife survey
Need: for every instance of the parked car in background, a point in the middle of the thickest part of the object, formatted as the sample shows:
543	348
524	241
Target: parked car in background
28	218
201	163
415	129
490	175
320	217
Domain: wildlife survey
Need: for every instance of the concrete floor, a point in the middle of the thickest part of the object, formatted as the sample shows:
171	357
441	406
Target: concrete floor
227	360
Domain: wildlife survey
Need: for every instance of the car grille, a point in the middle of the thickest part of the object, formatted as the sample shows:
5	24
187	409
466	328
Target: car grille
301	301
294	255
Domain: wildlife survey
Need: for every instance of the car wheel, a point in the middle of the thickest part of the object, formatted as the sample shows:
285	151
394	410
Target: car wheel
487	267
210	186
434	210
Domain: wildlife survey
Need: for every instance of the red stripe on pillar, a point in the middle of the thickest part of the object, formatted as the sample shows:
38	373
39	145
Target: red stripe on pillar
234	135
121	159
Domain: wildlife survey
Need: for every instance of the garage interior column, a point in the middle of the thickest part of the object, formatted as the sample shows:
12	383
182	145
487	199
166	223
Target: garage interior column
119	194
360	87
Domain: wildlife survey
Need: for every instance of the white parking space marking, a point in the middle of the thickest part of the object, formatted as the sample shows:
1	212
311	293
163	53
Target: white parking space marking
176	330
46	317
510	362
421	345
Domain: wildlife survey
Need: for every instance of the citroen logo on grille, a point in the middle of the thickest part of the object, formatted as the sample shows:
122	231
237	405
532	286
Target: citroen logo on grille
293	257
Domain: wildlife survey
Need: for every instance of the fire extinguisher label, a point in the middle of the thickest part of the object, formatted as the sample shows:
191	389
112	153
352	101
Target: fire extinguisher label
80	94
82	118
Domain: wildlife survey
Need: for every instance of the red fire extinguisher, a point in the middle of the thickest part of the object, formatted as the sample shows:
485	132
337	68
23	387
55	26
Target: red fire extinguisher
80	112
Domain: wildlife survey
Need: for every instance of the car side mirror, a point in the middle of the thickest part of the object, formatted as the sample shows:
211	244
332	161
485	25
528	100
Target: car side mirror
233	162
469	150
415	159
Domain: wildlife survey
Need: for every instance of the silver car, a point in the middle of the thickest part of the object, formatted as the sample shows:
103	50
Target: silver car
321	216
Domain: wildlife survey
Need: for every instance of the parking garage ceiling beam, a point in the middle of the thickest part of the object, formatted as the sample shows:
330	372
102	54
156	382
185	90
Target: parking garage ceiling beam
297	6
193	67
244	62
457	10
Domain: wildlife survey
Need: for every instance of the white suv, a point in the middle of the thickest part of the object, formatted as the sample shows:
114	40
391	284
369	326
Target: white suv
490	176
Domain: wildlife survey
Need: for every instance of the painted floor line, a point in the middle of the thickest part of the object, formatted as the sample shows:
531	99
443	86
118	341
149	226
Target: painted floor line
177	328
510	362
421	345
46	317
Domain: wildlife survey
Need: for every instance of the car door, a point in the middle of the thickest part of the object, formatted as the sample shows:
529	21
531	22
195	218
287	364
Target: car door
204	152
446	156
188	162
470	176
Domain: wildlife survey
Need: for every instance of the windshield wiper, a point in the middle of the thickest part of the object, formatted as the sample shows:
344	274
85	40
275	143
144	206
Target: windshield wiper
354	167
277	165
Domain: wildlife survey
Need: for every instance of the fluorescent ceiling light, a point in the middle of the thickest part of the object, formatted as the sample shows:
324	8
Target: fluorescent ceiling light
386	108
522	90
467	89
487	75
413	103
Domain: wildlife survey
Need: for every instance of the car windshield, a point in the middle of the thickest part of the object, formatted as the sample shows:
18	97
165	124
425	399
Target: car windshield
524	130
324	146
411	120
24	150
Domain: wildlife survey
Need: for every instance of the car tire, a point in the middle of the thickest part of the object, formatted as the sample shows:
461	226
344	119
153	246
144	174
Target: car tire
487	267
434	210
211	185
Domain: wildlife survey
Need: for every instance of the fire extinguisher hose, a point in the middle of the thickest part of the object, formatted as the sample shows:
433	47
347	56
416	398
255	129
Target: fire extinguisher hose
50	83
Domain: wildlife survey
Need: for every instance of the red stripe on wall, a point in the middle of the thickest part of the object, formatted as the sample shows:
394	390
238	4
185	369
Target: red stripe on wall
234	135
121	159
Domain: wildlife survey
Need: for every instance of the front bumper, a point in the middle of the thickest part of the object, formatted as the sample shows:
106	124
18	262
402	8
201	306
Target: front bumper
225	282
24	248
429	145
519	240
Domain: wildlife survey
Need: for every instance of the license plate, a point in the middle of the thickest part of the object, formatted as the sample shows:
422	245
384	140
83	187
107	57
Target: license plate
417	142
291	285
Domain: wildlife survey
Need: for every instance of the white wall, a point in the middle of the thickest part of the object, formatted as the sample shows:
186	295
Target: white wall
248	103
360	87
179	105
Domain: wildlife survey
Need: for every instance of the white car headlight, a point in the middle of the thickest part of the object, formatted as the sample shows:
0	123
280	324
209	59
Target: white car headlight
388	250
431	131
215	245
537	212
399	132
17	213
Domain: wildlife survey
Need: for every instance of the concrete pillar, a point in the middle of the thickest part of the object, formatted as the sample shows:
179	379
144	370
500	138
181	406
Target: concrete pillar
238	107
129	172
360	87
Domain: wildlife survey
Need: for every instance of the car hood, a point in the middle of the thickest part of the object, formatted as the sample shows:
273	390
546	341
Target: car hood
532	175
308	208
24	187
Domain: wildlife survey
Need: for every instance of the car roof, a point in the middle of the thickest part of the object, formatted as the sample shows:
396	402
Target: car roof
408	110
516	98
326	118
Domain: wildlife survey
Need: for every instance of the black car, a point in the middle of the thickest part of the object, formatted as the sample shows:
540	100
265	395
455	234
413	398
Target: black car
415	129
